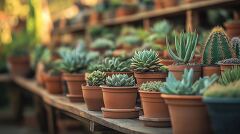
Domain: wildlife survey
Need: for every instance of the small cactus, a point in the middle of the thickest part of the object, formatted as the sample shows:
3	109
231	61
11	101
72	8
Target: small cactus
235	41
217	47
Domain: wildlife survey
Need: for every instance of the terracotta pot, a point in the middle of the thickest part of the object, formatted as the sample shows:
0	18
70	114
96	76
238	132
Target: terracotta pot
158	4
210	70
169	3
95	18
167	62
39	74
178	71
126	97
93	97
161	42
19	66
143	77
188	114
232	29
54	84
111	73
224	67
166	54
74	83
120	113
190	1
121	12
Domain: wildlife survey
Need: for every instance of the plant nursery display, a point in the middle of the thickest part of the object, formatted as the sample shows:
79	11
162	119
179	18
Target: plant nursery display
129	42
184	100
102	44
185	46
92	92
217	48
223	102
146	66
120	87
154	108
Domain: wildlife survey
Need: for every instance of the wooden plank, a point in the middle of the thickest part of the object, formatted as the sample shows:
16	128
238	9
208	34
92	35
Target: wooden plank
129	126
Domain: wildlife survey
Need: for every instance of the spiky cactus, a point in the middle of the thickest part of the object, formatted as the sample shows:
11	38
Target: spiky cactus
217	47
235	41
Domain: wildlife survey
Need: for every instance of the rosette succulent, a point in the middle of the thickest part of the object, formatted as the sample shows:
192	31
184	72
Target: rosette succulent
120	80
96	78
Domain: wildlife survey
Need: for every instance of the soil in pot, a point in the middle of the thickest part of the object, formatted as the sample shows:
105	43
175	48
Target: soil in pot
119	97
19	66
178	71
93	97
224	114
185	111
154	109
143	77
74	83
120	113
224	67
54	84
210	70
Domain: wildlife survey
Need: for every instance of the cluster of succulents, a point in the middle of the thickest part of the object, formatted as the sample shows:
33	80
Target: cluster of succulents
230	61
186	86
113	64
230	90
217	47
154	86
146	61
103	43
96	78
120	80
230	75
185	46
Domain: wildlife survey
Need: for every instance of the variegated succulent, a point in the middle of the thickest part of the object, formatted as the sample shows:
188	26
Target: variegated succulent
120	80
146	61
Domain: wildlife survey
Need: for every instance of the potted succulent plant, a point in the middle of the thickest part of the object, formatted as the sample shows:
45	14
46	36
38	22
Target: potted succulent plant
53	78
185	46
170	3
114	65
184	100
232	28
125	9
92	92
123	88
129	42
74	64
146	66
217	48
158	4
102	44
155	110
223	103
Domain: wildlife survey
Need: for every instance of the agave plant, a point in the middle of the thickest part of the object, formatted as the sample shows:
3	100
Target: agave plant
230	75
120	80
152	86
186	85
146	61
185	46
114	65
96	78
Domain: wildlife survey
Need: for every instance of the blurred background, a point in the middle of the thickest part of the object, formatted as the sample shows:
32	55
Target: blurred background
107	27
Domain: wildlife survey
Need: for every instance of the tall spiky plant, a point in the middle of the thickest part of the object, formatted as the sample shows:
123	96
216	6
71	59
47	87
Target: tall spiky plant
185	46
217	47
235	41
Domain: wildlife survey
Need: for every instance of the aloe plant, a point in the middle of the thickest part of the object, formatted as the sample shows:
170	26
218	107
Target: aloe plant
185	46
96	78
230	76
152	86
186	85
120	80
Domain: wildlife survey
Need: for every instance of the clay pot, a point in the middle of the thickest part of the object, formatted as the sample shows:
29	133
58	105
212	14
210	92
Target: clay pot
120	113
112	73
74	83
158	4
188	114
224	67
232	29
143	77
19	66
39	74
54	84
169	3
161	42
210	70
119	97
121	12
95	18
178	71
93	97
167	62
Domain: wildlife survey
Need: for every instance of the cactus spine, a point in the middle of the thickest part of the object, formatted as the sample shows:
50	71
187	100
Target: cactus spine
235	41
217	47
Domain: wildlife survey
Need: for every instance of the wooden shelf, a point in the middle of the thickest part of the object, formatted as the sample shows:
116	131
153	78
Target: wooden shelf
159	13
61	102
5	78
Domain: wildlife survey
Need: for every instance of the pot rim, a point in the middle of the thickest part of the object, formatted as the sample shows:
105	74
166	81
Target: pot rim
86	87
187	97
213	65
73	74
229	64
107	87
215	100
141	73
149	92
185	65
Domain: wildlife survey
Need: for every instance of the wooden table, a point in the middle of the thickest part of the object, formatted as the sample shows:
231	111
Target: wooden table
80	112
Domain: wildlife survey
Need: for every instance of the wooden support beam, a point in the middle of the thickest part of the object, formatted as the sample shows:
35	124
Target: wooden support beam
192	20
40	113
52	120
